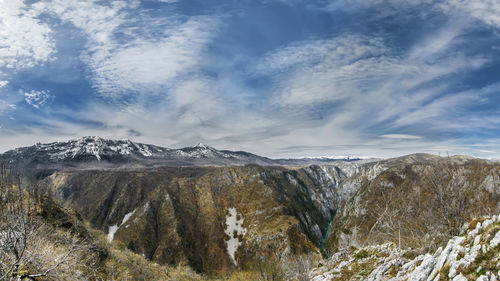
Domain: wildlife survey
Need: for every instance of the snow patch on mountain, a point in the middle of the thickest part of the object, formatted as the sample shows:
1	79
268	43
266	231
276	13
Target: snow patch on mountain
92	146
204	151
114	228
127	217
90	149
234	229
111	232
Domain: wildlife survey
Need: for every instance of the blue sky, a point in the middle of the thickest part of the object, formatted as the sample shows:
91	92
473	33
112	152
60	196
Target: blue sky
278	78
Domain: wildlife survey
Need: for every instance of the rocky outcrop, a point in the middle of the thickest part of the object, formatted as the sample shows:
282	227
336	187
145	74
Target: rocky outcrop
475	255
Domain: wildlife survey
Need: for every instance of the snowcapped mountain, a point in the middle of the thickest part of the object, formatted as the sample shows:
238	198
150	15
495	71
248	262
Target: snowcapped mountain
95	151
86	149
204	151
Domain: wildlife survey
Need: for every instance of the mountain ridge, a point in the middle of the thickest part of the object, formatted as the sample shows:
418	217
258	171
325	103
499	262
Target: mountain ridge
94	151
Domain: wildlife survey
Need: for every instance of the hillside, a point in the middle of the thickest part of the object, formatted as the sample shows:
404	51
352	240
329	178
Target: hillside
41	240
415	200
174	215
474	255
60	246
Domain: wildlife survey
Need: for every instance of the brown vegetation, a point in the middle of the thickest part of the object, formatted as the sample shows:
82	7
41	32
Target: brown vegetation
422	203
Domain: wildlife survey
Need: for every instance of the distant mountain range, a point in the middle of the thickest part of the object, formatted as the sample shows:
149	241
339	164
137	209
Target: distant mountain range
93	151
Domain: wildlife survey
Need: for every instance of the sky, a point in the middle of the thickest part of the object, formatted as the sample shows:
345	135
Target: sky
278	78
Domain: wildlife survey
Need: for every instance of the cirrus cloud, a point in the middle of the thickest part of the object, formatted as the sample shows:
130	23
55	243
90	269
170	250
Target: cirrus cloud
25	41
149	65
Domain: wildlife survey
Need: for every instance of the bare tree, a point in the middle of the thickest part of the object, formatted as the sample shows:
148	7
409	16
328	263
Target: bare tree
14	226
449	187
30	248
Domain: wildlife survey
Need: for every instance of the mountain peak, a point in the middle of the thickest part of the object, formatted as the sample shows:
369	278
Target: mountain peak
89	139
202	145
86	149
92	138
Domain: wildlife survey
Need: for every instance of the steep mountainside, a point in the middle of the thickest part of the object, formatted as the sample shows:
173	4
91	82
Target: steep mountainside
41	240
237	214
173	215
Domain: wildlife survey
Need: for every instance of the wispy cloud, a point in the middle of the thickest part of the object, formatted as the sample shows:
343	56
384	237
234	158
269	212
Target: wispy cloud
196	102
142	64
161	59
145	66
401	137
373	89
487	11
327	70
4	106
37	99
365	73
96	19
25	41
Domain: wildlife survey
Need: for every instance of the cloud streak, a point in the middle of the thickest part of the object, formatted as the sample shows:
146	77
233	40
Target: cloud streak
401	137
148	66
487	11
371	79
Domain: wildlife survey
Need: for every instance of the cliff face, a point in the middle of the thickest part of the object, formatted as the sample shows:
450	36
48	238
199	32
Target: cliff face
212	218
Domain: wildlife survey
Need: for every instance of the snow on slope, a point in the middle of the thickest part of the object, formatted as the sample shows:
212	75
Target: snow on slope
91	147
114	228
111	232
234	229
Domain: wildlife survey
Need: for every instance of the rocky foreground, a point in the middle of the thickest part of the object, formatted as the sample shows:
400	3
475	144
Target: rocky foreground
475	255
